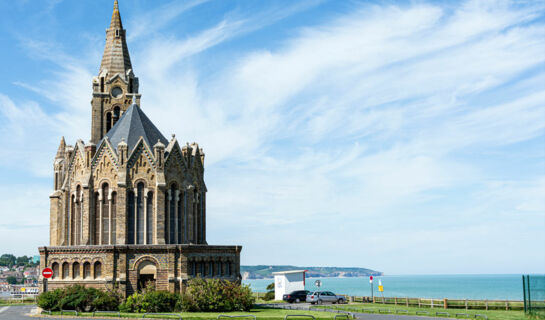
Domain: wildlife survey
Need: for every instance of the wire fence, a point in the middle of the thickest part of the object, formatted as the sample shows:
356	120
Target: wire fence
534	294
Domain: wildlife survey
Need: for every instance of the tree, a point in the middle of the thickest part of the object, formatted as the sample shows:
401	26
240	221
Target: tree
270	292
23	261
11	280
7	260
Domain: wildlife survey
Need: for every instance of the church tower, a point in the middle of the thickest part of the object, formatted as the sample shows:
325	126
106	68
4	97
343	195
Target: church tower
128	208
116	85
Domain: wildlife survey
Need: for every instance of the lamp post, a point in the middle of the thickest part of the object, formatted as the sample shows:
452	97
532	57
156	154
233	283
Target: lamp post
371	283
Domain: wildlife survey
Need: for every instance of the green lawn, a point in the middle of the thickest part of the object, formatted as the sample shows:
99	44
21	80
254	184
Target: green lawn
261	314
379	308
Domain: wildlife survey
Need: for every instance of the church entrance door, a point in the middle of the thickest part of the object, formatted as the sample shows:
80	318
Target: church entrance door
147	275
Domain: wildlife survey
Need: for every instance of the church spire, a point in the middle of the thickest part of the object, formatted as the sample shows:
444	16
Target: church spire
116	59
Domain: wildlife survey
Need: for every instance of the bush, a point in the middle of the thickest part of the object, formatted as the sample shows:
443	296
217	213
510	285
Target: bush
50	300
79	298
270	292
151	301
217	295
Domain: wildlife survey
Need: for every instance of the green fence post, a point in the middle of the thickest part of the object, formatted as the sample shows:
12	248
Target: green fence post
524	293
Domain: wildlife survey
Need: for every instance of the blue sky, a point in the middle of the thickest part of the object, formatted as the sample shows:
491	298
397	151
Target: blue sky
407	137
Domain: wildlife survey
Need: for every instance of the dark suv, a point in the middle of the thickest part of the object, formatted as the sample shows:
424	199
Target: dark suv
296	296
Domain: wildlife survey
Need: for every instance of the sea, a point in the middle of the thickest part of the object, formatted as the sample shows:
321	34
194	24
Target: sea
478	287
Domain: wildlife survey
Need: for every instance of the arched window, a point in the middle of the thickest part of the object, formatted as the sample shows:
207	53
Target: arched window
108	121
114	216
185	218
149	218
105	214
181	219
73	220
75	270
98	270
218	266
86	270
228	268
140	213
195	216
201	218
172	214
131	217
211	268
55	268
65	270
96	222
167	237
117	113
78	216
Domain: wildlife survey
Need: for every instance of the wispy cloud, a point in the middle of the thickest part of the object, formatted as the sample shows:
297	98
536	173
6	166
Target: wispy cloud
400	117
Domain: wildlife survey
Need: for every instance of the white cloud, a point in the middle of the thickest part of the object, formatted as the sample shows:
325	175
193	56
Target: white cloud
386	115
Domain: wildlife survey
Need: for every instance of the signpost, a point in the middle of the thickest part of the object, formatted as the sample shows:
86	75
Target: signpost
47	273
381	289
371	283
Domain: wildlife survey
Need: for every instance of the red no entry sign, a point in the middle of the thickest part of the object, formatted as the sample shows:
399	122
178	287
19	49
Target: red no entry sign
47	273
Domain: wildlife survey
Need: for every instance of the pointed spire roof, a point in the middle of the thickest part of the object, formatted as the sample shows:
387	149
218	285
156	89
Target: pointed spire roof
116	57
132	125
61	150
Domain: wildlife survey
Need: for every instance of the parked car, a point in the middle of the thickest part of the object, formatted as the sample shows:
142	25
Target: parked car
320	297
296	296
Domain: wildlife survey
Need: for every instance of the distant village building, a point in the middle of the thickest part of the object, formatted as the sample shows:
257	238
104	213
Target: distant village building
129	206
286	282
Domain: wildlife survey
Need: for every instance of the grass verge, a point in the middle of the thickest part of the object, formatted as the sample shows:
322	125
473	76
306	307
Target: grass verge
260	313
428	312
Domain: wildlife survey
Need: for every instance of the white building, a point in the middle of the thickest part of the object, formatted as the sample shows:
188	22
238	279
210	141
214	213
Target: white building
288	281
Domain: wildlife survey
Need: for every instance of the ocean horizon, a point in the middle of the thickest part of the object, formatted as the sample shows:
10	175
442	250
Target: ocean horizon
453	286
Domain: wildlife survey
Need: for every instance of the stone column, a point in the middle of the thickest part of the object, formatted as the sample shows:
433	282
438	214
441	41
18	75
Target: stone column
121	224
160	215
86	216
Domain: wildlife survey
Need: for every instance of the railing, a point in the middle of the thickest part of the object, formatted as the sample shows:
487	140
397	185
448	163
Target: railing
241	316
161	314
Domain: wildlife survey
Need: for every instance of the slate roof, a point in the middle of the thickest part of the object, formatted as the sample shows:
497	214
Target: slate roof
132	125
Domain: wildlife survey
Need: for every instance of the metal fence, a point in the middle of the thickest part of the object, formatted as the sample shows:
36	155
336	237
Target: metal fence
533	287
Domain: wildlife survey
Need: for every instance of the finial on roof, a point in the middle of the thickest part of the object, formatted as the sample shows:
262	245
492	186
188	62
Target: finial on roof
173	136
159	144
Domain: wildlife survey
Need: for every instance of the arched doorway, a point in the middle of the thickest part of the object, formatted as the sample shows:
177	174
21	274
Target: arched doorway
147	275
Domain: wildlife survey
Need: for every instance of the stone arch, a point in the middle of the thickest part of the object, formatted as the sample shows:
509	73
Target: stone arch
147	274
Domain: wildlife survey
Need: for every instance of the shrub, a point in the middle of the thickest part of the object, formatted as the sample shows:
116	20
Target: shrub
151	301
217	295
79	298
50	300
270	292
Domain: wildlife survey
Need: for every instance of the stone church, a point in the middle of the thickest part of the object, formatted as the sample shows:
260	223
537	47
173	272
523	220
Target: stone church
128	208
